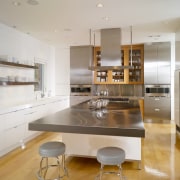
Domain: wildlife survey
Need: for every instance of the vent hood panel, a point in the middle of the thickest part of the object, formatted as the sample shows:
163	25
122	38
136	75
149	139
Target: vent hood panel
110	47
110	51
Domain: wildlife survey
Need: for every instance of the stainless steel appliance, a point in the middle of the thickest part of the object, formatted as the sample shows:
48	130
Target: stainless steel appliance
110	51
80	93
157	103
80	57
80	90
80	76
157	90
157	63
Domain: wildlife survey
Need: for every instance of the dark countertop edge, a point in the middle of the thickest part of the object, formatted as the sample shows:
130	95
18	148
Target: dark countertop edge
88	130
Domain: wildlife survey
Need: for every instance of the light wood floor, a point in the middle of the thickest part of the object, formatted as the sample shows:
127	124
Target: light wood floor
160	159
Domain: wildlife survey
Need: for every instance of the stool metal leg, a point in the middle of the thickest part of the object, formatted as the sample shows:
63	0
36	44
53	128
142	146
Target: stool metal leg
46	167
43	174
120	171
59	167
64	166
101	172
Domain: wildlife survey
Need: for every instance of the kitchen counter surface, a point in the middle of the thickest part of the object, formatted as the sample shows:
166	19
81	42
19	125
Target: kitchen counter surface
117	119
17	107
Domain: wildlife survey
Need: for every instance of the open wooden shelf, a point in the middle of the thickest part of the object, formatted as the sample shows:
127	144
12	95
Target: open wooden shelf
7	83
5	63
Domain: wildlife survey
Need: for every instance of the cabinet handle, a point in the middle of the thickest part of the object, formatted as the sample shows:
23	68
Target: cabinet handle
157	109
31	113
157	99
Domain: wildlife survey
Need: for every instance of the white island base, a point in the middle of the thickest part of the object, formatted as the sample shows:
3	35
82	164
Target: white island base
87	145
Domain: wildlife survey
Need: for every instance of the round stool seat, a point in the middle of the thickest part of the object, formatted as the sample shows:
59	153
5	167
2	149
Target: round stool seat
52	149
111	155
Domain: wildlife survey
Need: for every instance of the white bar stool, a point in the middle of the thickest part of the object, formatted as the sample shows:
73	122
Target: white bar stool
111	156
48	150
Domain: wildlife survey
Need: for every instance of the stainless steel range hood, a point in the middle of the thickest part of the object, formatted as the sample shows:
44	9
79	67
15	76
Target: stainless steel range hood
110	50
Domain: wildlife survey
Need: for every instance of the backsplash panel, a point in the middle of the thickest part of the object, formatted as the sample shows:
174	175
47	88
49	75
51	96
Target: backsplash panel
120	90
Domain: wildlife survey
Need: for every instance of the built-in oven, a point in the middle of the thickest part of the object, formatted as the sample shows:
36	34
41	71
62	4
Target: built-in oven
80	93
157	90
80	90
157	103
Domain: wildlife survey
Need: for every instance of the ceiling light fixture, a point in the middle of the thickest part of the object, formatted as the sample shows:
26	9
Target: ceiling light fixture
67	29
106	18
99	5
16	3
32	2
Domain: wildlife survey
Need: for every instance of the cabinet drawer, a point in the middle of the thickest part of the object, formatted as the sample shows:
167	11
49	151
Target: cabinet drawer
14	135
157	102
157	108
158	113
2	140
12	119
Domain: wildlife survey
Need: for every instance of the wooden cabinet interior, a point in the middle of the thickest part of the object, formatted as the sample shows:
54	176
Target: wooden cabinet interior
135	75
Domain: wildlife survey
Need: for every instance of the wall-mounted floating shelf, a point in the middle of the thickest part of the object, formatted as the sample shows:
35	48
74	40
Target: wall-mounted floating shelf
16	65
5	63
7	83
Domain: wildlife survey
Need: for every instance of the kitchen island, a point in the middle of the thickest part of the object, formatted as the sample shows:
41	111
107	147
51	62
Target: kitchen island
86	129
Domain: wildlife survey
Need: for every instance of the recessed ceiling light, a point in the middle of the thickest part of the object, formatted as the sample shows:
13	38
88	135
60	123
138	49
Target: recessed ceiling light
16	3
33	2
105	18
67	29
99	5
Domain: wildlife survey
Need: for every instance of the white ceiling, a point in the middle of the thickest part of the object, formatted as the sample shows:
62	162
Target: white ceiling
67	22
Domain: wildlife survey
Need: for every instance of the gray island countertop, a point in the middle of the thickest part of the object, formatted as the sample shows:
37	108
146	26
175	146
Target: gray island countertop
118	119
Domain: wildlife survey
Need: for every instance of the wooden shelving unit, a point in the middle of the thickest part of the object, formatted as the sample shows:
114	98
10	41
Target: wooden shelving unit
135	75
5	63
16	65
7	83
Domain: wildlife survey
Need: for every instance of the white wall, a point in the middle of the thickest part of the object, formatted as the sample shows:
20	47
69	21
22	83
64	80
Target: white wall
62	71
26	49
172	77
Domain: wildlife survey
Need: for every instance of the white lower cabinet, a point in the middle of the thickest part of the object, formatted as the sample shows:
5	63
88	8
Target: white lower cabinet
15	136
13	131
14	125
2	141
32	114
57	105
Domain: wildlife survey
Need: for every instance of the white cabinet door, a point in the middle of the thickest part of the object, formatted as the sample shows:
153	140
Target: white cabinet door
2	141
61	104
14	136
57	105
13	119
32	114
29	116
13	130
2	128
